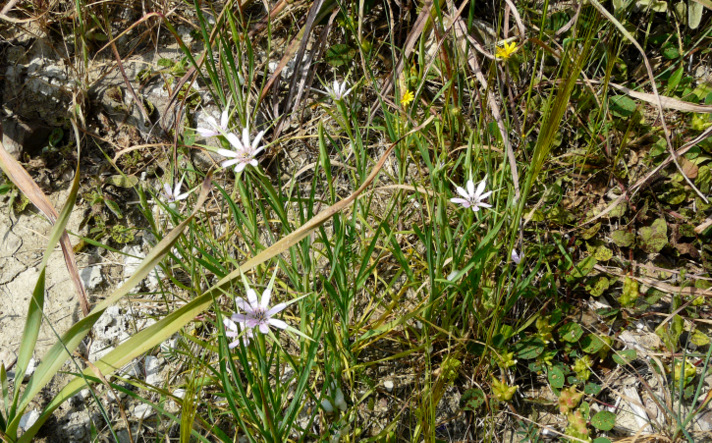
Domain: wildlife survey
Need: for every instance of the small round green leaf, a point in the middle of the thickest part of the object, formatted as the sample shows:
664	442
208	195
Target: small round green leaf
604	420
592	389
571	332
529	348
556	377
625	356
591	344
472	399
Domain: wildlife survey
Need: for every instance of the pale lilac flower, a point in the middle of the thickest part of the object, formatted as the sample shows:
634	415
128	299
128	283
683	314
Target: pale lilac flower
257	313
232	331
173	195
215	129
473	198
338	90
516	257
245	150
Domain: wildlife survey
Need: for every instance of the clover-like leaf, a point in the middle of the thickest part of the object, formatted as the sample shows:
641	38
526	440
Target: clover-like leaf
556	377
623	238
571	332
529	348
653	238
592	343
472	399
625	356
604	420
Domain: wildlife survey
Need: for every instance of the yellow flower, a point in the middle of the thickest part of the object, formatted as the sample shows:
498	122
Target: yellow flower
507	50
407	98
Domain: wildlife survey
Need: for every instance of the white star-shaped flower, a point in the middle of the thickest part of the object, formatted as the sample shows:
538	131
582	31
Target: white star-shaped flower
516	257
245	150
215	129
473	198
173	195
258	314
338	90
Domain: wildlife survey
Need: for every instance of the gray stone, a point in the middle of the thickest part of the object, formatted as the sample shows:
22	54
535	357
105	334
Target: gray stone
152	366
91	277
143	411
31	366
28	419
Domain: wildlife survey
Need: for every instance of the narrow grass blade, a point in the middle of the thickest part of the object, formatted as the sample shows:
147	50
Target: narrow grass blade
19	176
35	308
159	332
57	355
295	237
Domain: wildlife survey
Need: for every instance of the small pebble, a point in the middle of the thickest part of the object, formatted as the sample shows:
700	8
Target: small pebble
326	404
27	420
388	384
143	411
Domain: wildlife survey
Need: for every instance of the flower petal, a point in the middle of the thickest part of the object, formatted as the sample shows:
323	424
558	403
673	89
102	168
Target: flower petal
206	133
167	190
246	137
485	195
228	163
276	308
227	152
229	324
256	142
240	167
277	323
224	120
234	141
240	318
462	192
470	188
264	328
266	295
234	344
242	304
252	298
481	186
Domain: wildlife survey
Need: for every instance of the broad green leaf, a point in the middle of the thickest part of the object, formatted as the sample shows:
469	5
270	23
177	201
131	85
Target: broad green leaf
592	389
529	348
604	420
340	54
472	399
625	356
694	14
556	377
622	106
590	232
582	268
653	238
571	332
623	238
592	343
600	285
630	292
123	181
699	338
